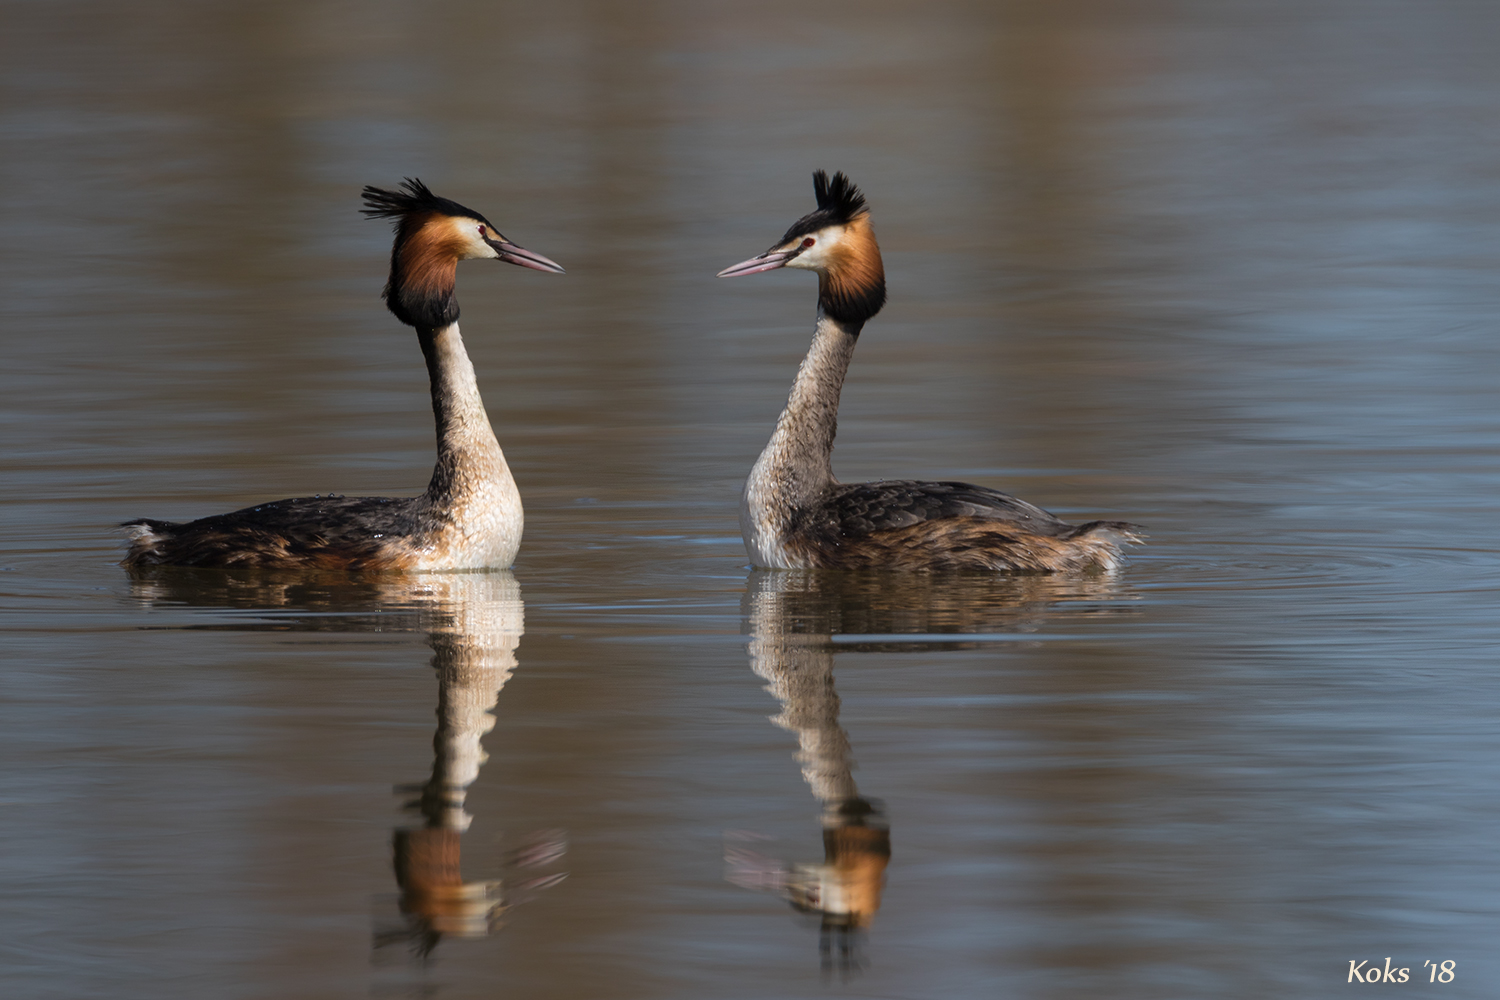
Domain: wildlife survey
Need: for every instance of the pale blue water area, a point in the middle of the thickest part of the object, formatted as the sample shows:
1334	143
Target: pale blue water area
1226	269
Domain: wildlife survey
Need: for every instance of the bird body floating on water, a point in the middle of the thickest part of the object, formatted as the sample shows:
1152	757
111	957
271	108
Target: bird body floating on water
795	515
470	516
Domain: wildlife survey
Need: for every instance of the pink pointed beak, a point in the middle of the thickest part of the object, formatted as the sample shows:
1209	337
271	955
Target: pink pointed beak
512	254
768	261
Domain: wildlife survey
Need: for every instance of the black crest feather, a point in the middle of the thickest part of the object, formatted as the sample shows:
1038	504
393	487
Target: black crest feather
839	202
415	198
839	197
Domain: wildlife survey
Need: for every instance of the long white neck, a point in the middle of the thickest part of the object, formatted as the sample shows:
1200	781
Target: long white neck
467	452
797	464
472	491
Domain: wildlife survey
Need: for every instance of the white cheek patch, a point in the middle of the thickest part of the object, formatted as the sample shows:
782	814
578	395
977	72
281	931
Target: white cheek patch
467	231
815	257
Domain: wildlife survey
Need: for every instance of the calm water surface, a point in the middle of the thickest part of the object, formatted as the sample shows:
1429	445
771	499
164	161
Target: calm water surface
1226	269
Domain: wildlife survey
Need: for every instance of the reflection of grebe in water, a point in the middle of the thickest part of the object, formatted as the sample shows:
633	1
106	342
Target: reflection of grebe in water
794	619
474	623
795	514
474	657
844	890
470	516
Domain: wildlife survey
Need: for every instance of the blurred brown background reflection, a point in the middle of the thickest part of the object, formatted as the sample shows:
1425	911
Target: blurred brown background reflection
1224	268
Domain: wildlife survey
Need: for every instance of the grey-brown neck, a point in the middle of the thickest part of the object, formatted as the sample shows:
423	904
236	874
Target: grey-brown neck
797	465
467	451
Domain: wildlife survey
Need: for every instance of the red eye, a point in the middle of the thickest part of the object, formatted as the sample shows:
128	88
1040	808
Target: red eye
481	230
808	242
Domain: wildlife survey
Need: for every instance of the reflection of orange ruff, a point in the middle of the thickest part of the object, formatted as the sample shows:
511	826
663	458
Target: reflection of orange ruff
846	888
432	886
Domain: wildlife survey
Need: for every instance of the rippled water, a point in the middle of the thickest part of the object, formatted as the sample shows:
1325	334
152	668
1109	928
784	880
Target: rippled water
1226	269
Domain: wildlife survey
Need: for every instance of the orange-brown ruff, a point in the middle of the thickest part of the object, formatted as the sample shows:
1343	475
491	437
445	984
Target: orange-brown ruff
470	516
427	261
795	515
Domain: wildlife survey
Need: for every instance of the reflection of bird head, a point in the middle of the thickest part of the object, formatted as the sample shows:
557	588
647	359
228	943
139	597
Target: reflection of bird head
433	890
846	888
436	901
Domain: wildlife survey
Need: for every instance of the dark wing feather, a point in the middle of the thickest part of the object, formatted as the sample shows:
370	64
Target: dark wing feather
946	526
348	531
863	508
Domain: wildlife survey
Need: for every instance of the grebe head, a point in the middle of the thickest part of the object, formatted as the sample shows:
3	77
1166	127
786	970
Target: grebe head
432	235
836	241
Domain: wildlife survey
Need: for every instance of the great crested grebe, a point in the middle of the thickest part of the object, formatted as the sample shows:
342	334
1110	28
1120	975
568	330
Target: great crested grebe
470	516
795	515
